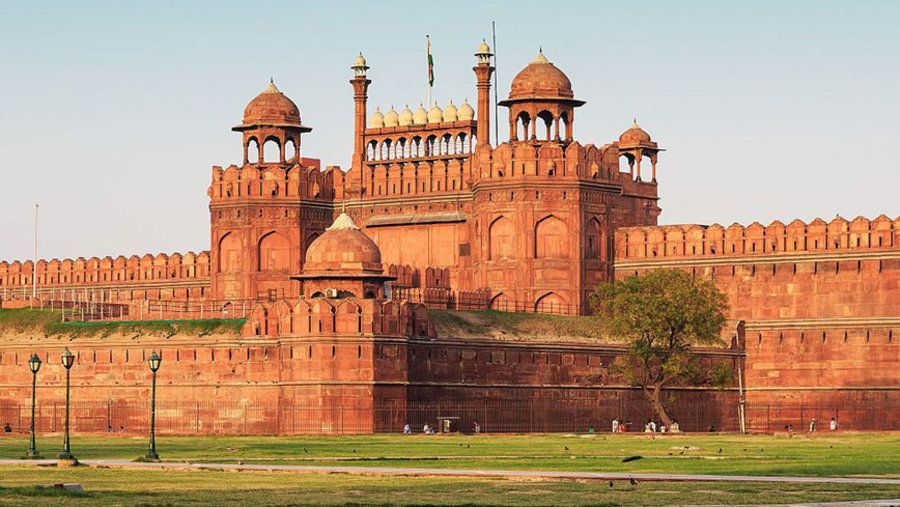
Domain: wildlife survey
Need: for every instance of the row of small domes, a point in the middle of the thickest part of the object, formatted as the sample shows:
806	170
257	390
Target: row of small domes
434	115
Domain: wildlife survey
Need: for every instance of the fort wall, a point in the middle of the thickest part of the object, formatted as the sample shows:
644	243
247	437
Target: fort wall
818	305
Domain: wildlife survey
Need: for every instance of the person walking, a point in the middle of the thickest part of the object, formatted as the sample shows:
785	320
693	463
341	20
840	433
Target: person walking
812	425
833	424
615	425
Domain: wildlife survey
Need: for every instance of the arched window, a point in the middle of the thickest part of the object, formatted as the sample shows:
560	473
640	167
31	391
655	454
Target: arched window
252	151
290	150
271	151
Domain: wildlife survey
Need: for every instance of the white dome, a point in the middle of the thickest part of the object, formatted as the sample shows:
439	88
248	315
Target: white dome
391	119
421	116
465	113
483	48
406	117
435	114
360	61
450	113
377	119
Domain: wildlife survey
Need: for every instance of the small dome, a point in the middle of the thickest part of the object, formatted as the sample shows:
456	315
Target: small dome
406	117
360	61
466	113
541	79
634	135
483	48
435	114
377	119
450	113
271	107
342	250
391	119
421	116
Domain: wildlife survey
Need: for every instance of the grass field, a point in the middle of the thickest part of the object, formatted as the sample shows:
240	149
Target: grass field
851	455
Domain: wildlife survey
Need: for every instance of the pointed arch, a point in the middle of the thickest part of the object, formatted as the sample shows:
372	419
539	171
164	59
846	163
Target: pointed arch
551	302
502	243
594	246
273	252
551	238
230	254
501	302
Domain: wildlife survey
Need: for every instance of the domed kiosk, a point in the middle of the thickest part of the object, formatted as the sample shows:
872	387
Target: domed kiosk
343	262
541	91
634	144
271	116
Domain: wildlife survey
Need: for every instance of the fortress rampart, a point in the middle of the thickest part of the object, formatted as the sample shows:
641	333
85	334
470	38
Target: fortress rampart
817	304
120	279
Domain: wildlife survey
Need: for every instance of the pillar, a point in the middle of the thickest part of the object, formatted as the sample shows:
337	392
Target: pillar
483	72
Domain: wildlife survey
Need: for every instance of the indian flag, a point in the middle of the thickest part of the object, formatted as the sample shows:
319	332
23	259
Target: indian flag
430	63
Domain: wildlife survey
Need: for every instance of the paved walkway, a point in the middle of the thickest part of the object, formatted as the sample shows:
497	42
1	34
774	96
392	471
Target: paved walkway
604	476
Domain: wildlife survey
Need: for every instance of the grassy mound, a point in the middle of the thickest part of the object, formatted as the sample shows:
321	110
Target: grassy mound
48	322
509	325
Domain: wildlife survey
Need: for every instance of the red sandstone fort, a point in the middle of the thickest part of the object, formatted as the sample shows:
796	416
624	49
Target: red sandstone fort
335	270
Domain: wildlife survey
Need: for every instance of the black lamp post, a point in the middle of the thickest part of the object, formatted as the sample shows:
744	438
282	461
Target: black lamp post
34	364
154	361
68	359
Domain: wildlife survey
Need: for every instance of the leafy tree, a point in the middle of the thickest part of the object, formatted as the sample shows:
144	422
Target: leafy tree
661	315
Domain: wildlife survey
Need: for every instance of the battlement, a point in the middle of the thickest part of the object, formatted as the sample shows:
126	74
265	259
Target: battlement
349	316
106	270
298	181
797	237
557	159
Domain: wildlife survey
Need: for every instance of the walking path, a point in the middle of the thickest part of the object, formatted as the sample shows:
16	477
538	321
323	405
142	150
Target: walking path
467	473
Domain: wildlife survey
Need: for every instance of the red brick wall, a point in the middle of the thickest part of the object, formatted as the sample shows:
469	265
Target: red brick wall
820	305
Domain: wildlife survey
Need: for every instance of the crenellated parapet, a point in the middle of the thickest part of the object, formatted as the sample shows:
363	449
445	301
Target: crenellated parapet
817	236
333	317
303	180
106	272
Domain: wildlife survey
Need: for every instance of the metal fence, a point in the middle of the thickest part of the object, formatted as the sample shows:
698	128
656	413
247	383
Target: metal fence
491	416
254	418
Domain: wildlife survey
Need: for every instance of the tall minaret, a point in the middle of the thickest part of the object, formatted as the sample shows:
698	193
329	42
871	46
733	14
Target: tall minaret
360	86
483	72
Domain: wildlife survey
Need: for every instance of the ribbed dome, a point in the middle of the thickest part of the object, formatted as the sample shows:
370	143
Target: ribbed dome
483	48
466	113
360	61
391	118
271	107
634	135
435	114
406	117
421	116
377	119
450	113
342	250
541	79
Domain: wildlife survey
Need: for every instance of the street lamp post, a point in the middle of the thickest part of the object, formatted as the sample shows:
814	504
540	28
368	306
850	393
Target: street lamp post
154	361
68	359
34	364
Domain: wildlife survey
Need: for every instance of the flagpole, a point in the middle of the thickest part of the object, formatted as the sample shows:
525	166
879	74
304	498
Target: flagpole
430	71
34	266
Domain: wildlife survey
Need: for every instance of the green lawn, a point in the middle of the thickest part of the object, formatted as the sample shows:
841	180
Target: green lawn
841	454
116	487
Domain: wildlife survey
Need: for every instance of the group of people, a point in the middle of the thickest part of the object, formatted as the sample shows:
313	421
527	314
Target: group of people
650	426
832	426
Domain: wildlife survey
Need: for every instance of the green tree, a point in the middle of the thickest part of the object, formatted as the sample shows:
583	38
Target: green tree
661	314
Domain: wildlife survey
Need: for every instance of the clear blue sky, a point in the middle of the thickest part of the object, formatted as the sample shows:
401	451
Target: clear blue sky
112	113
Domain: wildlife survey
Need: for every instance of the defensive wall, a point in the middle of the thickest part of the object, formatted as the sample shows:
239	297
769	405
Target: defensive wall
348	366
816	305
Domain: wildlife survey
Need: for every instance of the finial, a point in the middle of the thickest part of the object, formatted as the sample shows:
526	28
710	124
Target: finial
634	123
271	80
